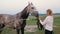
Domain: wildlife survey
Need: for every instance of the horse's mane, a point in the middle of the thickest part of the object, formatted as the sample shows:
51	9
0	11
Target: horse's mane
23	13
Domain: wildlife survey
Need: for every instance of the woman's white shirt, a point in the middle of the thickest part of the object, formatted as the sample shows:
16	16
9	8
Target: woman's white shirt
48	23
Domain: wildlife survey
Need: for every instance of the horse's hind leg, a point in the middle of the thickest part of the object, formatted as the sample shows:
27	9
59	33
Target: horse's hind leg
1	27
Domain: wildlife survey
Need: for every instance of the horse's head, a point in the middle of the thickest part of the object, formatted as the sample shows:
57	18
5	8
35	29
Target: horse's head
32	10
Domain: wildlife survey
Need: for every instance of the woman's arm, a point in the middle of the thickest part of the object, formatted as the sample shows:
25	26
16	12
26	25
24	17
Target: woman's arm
44	22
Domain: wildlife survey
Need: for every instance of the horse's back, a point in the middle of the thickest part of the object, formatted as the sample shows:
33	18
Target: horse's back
9	20
5	17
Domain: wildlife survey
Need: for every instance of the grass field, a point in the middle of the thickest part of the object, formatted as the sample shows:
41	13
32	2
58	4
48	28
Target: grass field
32	21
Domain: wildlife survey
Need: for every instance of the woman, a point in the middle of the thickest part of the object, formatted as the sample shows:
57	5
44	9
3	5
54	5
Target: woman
48	22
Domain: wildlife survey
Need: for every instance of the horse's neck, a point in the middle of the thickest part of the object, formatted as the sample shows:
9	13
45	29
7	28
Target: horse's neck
23	14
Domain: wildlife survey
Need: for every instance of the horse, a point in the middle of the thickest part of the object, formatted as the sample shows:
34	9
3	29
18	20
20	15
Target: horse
18	21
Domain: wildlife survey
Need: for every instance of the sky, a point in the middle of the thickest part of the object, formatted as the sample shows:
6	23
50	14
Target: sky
15	6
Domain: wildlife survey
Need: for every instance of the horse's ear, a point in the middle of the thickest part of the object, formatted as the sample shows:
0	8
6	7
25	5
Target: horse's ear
28	3
31	3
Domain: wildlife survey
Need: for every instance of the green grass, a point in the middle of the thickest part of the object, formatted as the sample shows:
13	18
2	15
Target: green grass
32	21
57	21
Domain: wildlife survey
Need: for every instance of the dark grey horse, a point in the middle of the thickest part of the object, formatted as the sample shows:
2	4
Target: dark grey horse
18	21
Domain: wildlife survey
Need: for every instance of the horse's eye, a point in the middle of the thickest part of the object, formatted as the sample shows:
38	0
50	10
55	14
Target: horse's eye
32	7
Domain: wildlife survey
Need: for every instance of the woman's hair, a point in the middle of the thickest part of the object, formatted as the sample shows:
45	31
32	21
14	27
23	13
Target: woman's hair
50	11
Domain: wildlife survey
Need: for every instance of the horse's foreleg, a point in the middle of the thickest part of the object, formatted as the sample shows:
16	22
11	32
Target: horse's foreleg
1	27
18	31
22	30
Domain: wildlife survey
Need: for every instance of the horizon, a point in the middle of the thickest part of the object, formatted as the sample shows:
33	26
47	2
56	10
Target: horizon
15	6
